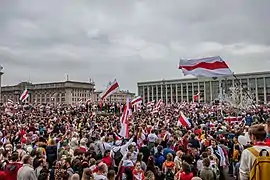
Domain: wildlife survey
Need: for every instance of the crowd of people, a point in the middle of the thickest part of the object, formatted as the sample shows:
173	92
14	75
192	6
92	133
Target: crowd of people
82	142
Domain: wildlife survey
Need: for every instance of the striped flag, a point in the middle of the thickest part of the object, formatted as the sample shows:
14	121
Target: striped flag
24	95
205	67
137	100
112	88
196	97
157	107
183	120
150	104
124	120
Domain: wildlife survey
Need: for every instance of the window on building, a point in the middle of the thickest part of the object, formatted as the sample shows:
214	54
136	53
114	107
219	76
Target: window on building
63	99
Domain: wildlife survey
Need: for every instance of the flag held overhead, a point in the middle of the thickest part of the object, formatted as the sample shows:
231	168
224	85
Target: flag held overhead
205	67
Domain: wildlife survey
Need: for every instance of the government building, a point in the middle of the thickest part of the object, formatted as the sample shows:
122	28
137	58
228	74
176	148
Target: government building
66	92
180	90
117	97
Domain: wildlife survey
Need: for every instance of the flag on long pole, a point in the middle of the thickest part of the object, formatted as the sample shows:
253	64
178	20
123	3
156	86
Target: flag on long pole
24	95
112	88
124	120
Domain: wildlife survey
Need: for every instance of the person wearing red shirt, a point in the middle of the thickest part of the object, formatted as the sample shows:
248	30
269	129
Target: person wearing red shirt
13	167
107	158
185	174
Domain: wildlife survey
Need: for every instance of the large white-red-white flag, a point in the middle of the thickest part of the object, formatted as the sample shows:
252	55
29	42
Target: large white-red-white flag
124	120
112	88
24	95
183	120
205	67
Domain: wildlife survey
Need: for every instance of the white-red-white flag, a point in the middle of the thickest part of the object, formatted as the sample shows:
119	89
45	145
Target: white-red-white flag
112	88
124	120
196	97
24	95
232	119
150	103
183	120
137	100
157	107
205	67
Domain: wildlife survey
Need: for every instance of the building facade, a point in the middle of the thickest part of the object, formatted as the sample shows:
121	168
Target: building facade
1	73
180	90
67	92
117	97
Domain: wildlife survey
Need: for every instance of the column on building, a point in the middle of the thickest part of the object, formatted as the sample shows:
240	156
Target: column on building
166	95
143	95
256	90
68	96
204	91
153	93
241	91
176	93
148	94
156	93
198	91
182	96
187	93
211	92
171	94
192	89
161	87
264	90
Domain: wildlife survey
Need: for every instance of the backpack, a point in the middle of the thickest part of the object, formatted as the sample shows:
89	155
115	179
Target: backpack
118	157
261	166
216	171
169	175
215	176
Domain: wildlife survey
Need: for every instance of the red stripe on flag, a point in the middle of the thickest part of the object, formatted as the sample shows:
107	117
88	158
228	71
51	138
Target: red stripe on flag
24	95
205	65
112	88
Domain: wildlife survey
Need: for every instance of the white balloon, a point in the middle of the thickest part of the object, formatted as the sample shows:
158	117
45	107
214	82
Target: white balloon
243	140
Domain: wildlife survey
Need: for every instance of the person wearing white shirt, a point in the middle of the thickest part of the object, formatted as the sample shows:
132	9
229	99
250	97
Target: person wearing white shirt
257	135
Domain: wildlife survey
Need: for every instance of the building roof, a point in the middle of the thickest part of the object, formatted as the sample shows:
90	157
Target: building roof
188	78
60	82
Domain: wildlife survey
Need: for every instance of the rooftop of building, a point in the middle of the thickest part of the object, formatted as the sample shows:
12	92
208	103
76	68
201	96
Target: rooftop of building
191	78
121	91
25	83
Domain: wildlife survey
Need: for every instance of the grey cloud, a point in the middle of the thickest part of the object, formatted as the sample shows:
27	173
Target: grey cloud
128	40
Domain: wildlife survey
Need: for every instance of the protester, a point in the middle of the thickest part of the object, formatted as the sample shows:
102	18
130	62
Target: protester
26	172
71	142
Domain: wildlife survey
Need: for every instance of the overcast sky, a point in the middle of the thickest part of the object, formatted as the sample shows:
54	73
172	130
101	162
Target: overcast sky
42	40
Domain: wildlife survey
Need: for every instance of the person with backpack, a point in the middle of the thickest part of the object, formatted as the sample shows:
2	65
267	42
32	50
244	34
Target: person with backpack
207	173
255	161
168	167
159	157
